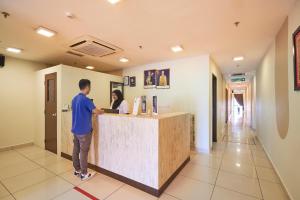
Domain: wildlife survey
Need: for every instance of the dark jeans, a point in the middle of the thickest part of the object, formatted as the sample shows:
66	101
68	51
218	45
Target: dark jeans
80	152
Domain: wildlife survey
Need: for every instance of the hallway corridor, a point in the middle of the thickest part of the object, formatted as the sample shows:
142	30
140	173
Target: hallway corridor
245	171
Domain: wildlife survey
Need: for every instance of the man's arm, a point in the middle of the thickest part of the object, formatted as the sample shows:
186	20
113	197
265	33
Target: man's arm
92	108
98	111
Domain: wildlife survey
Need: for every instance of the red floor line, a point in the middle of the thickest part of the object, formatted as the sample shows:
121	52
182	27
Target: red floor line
85	193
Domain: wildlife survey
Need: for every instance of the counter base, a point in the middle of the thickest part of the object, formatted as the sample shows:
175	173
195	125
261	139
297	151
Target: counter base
145	188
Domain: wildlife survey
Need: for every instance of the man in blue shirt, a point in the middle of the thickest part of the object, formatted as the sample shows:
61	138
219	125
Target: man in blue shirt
82	110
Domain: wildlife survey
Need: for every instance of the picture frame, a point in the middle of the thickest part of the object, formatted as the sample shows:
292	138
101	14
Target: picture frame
126	80
150	79
296	42
163	79
132	81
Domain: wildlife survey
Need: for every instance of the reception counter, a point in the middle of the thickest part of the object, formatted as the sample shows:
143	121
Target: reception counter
146	152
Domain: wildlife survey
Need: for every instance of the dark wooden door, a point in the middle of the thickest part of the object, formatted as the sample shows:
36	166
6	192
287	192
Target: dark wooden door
226	105
214	108
51	112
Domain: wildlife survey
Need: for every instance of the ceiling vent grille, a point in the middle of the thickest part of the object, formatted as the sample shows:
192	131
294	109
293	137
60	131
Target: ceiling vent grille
93	47
74	54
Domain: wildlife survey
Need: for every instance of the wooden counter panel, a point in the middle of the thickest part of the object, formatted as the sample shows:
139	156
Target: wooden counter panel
174	145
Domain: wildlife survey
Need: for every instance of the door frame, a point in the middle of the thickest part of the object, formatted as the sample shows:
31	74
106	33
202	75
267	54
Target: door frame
46	77
226	105
214	108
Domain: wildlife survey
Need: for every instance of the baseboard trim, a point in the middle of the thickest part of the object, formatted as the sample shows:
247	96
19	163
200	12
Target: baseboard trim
133	183
16	146
276	170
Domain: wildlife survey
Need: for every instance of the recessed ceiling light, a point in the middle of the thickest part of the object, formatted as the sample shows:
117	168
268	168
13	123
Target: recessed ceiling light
238	58
177	48
238	164
124	60
113	1
90	67
45	32
70	15
13	50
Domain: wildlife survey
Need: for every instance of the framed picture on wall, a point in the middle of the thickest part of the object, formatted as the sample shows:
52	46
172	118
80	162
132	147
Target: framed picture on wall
126	80
296	41
163	79
132	81
149	79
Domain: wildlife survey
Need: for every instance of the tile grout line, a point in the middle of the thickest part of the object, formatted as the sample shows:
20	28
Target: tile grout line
257	175
61	193
32	160
70	183
31	170
214	186
243	194
123	185
228	172
172	196
55	175
197	180
10	194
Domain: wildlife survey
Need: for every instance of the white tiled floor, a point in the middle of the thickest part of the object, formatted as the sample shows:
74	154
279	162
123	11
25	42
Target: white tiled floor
236	169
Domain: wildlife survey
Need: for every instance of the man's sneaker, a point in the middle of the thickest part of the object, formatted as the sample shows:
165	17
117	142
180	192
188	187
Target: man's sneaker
77	173
87	176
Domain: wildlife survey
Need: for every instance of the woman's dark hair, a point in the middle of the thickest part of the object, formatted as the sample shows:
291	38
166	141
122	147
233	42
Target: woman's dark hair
117	103
83	83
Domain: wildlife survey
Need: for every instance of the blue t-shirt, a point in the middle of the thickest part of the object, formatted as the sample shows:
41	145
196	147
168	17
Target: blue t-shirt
82	110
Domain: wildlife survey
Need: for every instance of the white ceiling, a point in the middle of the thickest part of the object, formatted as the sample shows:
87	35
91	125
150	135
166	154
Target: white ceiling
201	26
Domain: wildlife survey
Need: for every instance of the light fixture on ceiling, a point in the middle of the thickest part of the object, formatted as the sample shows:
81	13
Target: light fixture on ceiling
90	67
124	60
45	32
238	164
69	15
5	14
238	58
113	1
13	50
177	48
237	23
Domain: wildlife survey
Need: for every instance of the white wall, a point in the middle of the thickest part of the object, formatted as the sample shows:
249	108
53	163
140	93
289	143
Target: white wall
17	120
67	87
284	153
189	92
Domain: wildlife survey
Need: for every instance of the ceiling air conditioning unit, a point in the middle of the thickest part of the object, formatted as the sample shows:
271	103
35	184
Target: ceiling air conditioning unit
93	47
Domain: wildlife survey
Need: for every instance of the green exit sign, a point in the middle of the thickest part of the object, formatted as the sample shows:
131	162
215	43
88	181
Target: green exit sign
238	79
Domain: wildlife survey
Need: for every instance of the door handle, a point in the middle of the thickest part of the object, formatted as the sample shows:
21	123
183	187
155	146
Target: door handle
54	114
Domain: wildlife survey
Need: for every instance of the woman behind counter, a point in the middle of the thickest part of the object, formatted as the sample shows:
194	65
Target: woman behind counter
118	102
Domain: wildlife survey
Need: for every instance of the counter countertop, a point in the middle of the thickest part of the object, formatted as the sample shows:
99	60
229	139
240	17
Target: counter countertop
159	116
